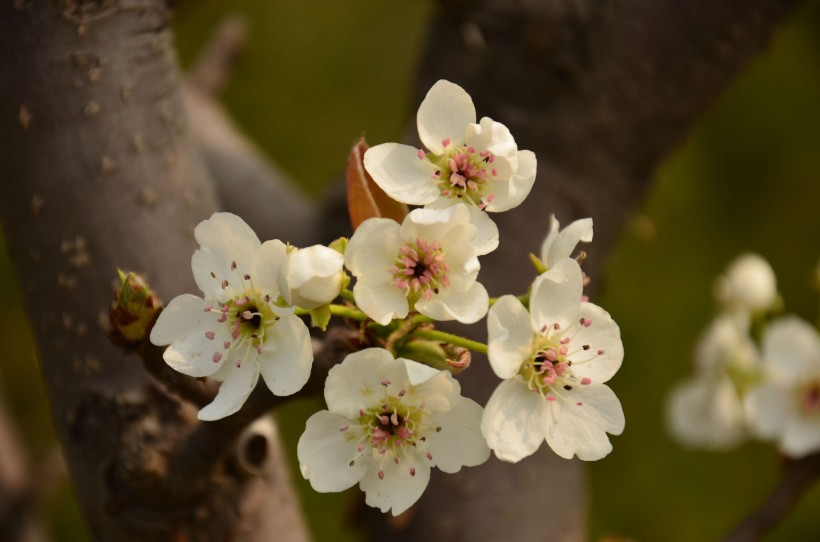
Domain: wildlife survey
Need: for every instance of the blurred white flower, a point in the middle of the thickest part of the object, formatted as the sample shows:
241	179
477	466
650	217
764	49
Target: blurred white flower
388	422
312	276
706	411
786	406
560	244
554	360
237	331
748	286
428	263
475	164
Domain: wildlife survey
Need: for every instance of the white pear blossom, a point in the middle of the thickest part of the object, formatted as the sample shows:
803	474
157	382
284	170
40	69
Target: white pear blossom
560	244
786	406
706	411
238	331
478	164
428	263
388	422
312	276
748	286
555	360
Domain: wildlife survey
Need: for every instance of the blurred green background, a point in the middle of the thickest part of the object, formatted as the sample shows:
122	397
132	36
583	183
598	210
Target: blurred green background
747	179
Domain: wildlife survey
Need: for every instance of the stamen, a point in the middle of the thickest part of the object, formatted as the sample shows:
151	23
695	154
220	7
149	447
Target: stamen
586	381
217	357
210	335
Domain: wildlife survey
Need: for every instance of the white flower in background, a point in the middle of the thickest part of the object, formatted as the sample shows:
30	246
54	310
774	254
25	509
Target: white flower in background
706	411
560	244
312	276
388	422
237	331
476	164
786	406
428	263
747	286
554	360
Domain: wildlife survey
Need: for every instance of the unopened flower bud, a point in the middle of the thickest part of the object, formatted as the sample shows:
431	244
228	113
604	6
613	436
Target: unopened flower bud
312	276
748	285
134	311
441	356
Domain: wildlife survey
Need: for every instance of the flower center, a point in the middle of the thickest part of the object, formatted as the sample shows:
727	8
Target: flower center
810	399
420	270
247	317
390	426
548	371
462	173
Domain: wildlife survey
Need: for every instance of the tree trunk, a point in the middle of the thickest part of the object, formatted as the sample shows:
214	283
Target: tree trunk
99	172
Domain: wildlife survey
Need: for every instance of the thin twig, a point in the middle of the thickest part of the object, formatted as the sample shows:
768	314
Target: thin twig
214	65
800	475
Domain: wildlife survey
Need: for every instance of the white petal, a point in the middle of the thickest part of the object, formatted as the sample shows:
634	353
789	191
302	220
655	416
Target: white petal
459	442
183	315
380	299
768	410
444	113
286	356
791	349
397	489
224	238
399	171
726	344
801	438
494	137
706	412
374	245
466	307
574	429
436	394
556	296
486	239
514	421
355	383
418	373
325	453
561	244
194	355
265	267
605	352
509	336
233	392
511	192
184	323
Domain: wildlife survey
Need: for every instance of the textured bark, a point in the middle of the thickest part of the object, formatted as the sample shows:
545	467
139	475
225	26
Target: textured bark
100	171
601	91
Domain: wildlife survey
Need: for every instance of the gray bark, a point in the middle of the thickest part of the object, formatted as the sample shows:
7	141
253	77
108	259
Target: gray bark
100	171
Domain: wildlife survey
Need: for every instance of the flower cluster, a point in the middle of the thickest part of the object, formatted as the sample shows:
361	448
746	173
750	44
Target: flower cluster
391	418
755	374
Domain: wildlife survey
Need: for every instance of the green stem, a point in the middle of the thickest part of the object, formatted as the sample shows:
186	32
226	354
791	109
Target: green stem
347	295
339	310
442	336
